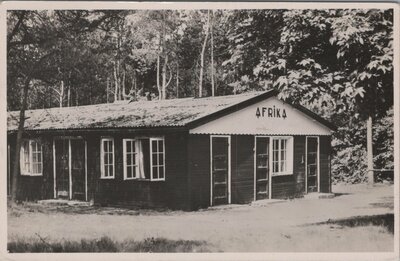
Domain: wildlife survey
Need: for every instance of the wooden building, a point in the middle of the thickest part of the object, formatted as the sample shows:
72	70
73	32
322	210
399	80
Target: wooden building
182	154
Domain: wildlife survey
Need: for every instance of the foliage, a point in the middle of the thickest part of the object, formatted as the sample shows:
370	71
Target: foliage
383	137
349	160
336	62
105	244
349	165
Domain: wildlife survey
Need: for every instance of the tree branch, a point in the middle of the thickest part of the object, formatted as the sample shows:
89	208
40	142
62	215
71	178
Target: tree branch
21	17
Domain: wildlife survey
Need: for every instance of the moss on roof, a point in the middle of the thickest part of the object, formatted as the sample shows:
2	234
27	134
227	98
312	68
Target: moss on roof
164	113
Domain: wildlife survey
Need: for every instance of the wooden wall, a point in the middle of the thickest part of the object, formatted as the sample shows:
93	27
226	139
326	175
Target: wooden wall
242	171
171	193
199	170
290	186
325	156
35	187
299	168
187	184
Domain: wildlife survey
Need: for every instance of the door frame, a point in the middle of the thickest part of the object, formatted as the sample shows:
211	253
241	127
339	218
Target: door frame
318	164
8	170
269	165
229	167
69	138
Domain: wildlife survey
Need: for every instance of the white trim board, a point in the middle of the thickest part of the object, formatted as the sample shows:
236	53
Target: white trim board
102	170
54	169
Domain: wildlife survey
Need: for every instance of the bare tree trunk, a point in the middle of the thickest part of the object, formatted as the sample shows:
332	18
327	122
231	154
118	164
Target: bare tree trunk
164	78
108	84
119	80
370	155
158	78
69	96
62	94
76	97
212	56
135	82
202	55
177	80
123	85
15	173
115	83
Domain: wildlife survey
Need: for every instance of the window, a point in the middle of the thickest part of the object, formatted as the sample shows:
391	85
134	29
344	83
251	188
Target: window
144	159
131	158
107	158
31	158
157	159
282	155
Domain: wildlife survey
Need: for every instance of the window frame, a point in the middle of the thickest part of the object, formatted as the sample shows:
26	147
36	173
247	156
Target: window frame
102	166
288	155
151	139
23	171
125	154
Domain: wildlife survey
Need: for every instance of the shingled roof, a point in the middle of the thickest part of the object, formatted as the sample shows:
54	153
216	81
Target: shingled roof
165	113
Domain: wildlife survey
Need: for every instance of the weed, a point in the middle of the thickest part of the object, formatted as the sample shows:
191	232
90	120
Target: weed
106	244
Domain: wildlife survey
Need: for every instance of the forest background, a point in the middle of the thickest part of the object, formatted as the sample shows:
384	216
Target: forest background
336	62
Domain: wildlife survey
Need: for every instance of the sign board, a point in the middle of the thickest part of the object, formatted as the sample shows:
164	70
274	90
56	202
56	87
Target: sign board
269	117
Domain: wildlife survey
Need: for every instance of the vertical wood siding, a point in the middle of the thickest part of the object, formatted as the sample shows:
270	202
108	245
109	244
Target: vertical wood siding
299	155
171	193
325	154
93	165
187	184
199	170
283	187
35	187
290	186
242	168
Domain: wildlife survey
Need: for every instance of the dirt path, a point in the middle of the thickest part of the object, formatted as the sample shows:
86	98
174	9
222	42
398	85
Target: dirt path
282	226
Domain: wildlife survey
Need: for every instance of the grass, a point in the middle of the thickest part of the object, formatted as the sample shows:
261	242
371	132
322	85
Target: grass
34	207
106	244
386	221
362	224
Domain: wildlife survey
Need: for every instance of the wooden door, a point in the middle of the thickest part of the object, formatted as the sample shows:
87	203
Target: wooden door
220	170
312	167
262	167
62	169
78	169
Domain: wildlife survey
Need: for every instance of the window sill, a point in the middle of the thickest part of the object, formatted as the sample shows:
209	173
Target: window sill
143	180
130	179
106	177
282	174
31	175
